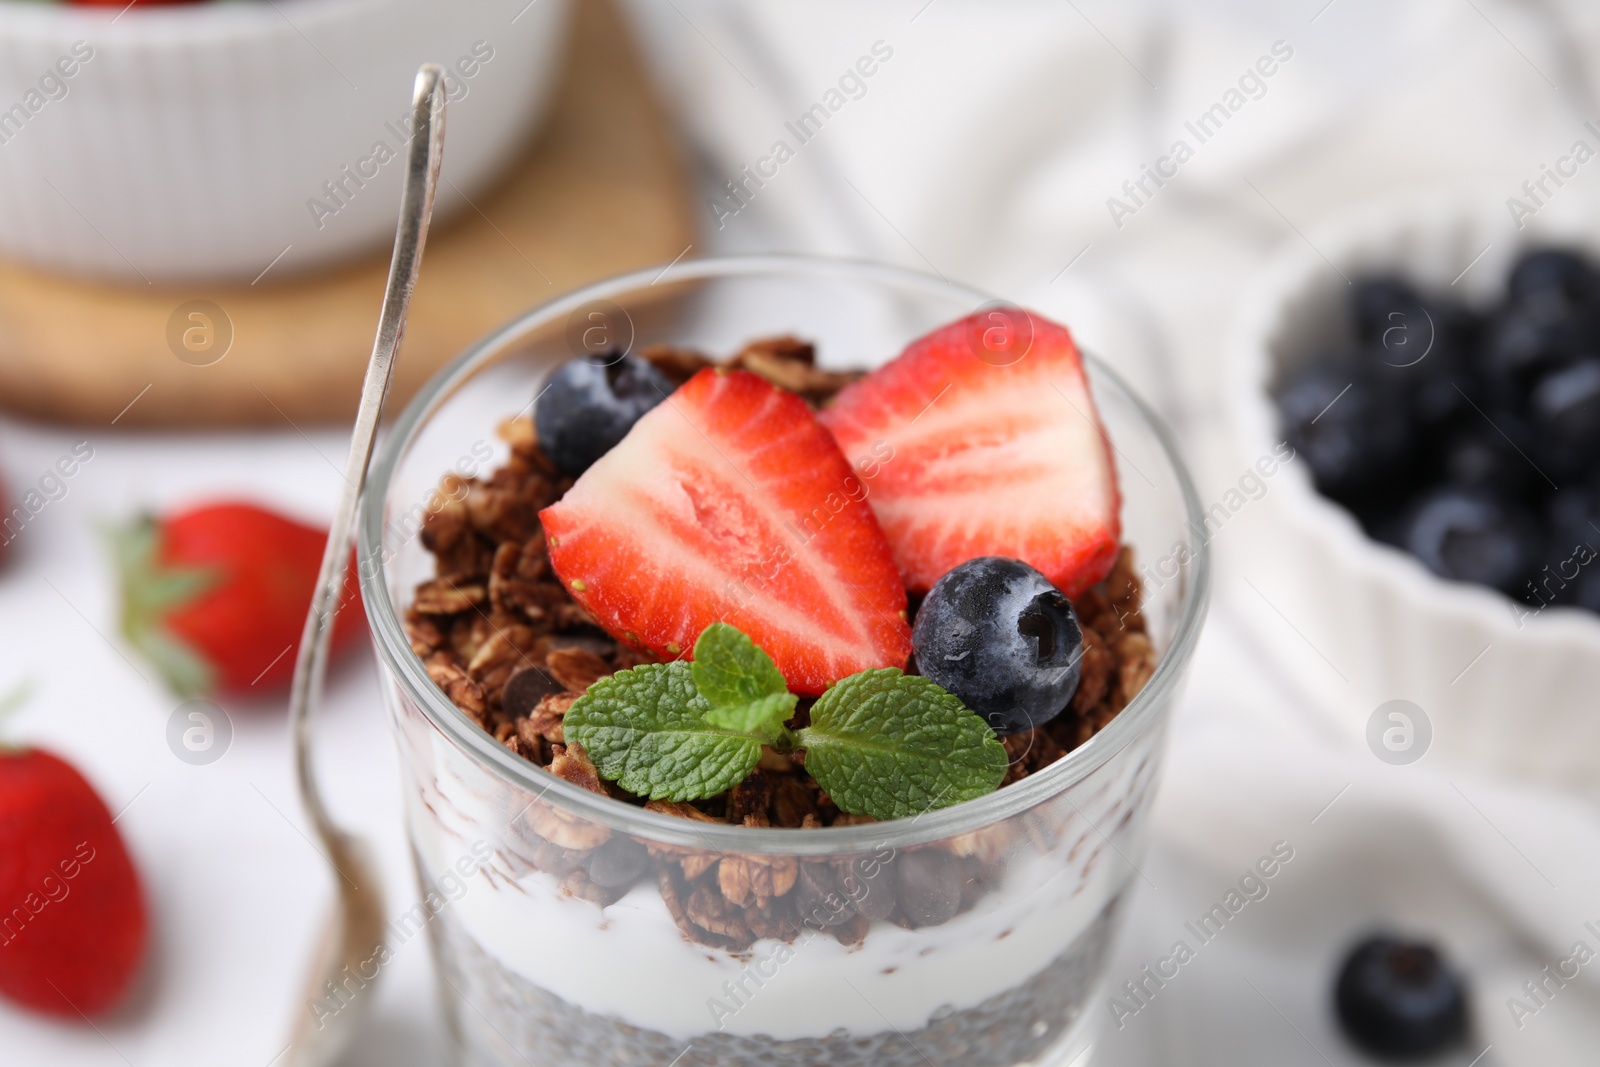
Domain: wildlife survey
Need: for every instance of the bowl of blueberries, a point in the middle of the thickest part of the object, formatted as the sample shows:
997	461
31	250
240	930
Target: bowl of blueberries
1434	365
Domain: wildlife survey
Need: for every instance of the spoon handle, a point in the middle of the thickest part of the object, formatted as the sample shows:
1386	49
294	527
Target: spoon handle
416	209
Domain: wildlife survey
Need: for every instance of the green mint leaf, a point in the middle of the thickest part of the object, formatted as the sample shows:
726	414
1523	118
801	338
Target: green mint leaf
892	745
763	718
730	669
646	730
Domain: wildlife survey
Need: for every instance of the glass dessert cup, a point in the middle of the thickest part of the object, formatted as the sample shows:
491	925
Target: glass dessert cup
573	929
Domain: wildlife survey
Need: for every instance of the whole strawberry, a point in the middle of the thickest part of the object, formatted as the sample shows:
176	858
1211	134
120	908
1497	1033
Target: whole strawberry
73	926
216	596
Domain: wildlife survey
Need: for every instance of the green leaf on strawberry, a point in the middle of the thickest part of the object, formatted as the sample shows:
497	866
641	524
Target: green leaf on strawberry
10	702
15	697
150	592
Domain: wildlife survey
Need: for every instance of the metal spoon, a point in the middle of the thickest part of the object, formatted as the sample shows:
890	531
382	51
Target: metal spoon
342	982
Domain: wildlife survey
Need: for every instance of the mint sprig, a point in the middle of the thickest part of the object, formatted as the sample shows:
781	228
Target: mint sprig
881	743
646	730
763	718
746	690
894	745
730	669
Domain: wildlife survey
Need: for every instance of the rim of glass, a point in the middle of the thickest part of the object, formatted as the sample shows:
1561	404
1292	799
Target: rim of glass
394	648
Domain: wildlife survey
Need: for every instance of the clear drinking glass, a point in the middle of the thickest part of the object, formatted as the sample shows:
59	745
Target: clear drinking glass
975	935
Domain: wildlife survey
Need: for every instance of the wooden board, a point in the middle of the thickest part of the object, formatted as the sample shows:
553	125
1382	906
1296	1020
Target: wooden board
602	191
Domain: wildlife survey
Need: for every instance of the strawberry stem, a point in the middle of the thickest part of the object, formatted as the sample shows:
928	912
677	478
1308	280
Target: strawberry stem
151	589
18	696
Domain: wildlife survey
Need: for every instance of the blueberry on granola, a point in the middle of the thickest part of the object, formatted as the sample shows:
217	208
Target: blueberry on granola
998	635
589	404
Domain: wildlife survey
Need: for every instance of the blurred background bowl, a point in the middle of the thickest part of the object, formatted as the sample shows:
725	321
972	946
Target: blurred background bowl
1510	691
203	138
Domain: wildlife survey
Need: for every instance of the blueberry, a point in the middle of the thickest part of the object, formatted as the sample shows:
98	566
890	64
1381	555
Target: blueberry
1553	275
1375	299
525	688
1383	509
1384	524
1564	409
998	635
1443	384
869	885
1353	432
1375	296
1586	589
1476	455
1525	340
931	881
589	405
618	863
1390	318
1400	999
821	898
1573	515
1437	390
1571	574
1471	535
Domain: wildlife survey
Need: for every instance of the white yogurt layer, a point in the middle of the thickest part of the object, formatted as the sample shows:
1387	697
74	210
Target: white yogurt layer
630	961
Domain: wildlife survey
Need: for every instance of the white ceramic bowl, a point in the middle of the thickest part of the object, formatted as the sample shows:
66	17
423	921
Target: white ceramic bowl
194	141
1359	623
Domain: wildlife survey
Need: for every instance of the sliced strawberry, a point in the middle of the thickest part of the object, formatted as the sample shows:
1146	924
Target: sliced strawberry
981	439
730	502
